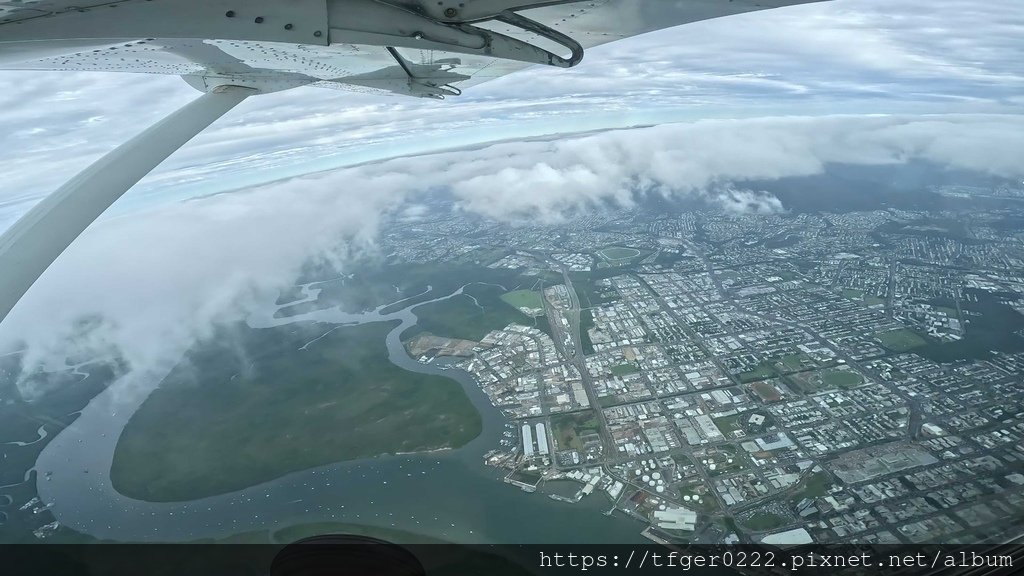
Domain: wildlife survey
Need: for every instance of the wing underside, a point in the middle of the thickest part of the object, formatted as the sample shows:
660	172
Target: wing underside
281	44
231	49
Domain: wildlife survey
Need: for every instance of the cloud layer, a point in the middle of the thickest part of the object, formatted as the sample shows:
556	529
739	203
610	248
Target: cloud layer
163	277
849	56
767	86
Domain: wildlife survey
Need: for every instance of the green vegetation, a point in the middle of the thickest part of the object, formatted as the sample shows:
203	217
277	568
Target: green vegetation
461	317
708	503
612	260
729	524
900	340
788	275
766	390
586	323
730	424
762	372
569	429
862	297
376	285
724	468
928	226
841	378
618	253
591	295
816	381
795	362
520	299
352	293
726	275
814	486
413	279
991	324
853	293
763	521
251	405
682	460
625	369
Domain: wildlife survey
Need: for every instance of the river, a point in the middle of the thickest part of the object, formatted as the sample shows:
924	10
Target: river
450	495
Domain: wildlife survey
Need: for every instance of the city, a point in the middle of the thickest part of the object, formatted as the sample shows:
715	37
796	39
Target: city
787	378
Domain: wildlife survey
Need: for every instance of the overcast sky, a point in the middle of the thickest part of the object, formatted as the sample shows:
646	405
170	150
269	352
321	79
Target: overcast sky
845	56
762	95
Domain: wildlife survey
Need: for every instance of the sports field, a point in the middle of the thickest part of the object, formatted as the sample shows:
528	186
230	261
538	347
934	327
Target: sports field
900	340
618	253
841	379
523	300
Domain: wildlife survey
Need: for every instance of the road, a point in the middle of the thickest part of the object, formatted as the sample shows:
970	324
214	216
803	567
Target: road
573	351
574	354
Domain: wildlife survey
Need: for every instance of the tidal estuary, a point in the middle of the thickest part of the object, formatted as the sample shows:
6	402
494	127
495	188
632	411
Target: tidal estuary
449	495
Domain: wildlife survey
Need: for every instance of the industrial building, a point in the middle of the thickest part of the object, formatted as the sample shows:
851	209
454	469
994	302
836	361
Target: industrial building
676	519
793	537
708	428
527	441
542	440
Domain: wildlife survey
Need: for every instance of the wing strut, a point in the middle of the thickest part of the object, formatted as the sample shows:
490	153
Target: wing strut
29	247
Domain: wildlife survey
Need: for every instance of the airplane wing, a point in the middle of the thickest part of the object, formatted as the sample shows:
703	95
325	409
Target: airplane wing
413	47
232	49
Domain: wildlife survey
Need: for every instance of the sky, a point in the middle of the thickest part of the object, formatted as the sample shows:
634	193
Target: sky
755	96
849	56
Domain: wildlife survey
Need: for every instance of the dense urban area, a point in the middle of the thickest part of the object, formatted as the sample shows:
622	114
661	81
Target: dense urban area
716	376
791	378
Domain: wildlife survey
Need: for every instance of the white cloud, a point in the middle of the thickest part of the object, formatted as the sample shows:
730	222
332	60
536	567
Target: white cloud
748	202
162	277
850	56
547	181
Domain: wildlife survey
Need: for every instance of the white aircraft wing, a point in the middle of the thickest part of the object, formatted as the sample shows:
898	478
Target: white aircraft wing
232	49
415	47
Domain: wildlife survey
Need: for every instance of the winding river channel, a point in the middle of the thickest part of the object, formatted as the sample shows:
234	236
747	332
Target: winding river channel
450	494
